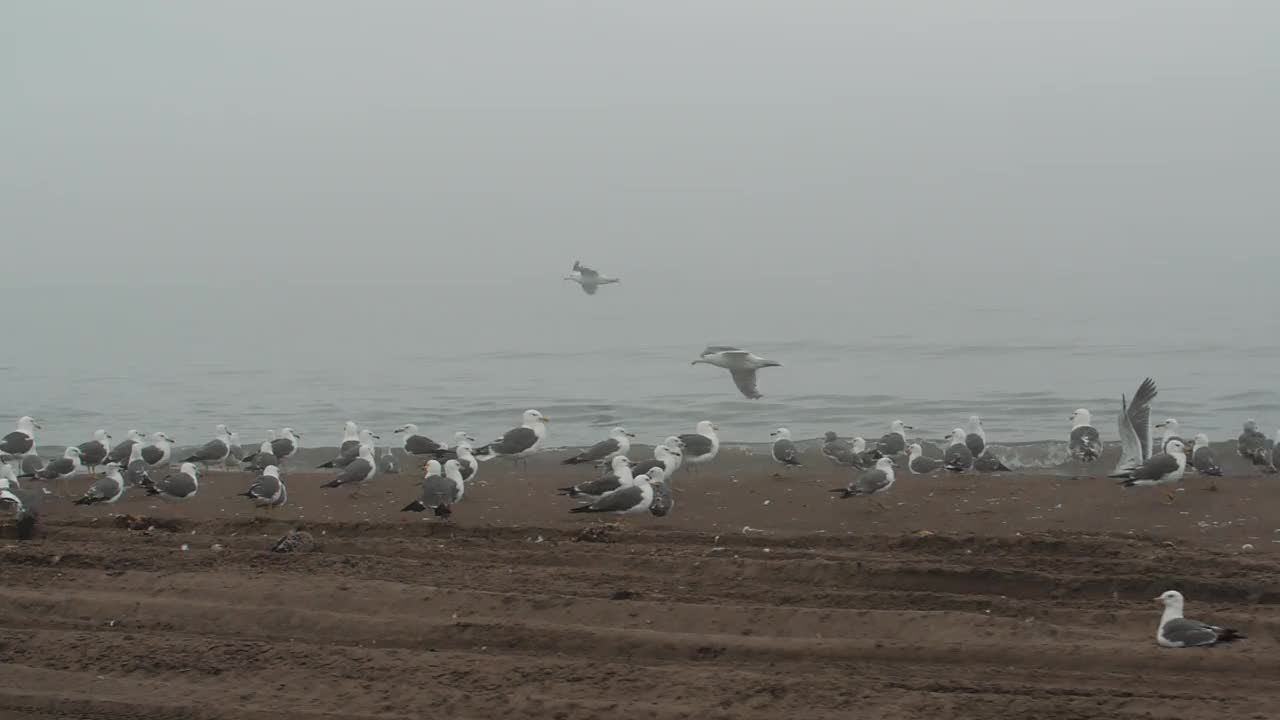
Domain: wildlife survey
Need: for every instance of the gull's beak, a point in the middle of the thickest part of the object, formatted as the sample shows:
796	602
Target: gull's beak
398	431
631	434
1160	425
470	439
36	425
1158	599
908	427
772	434
375	437
545	419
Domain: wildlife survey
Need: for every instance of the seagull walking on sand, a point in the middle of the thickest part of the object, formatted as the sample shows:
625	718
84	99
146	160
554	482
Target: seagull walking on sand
741	364
441	489
589	279
618	443
268	490
1176	631
518	443
1164	468
872	482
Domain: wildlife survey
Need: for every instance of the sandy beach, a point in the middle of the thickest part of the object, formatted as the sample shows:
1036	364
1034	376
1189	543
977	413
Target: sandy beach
761	595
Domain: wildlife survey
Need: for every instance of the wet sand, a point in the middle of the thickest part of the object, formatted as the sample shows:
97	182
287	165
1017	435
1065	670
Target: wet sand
760	597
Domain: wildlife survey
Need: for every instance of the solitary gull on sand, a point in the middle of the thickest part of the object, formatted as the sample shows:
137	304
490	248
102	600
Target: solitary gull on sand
1202	458
958	457
518	443
441	489
741	364
95	452
1135	427
216	451
268	490
1084	444
784	450
1163	468
107	489
917	463
1175	631
871	482
633	499
620	476
894	442
618	443
701	446
589	279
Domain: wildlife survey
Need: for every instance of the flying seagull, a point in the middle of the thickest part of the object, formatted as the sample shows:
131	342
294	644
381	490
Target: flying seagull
741	364
618	443
1135	427
1163	468
1175	631
589	279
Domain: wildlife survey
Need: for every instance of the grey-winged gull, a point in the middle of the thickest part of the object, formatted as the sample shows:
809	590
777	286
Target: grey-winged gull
618	443
957	457
663	500
8	477
182	486
348	453
989	463
517	443
836	450
157	452
784	450
268	490
700	446
741	364
1134	425
871	482
1168	431
415	443
236	452
95	452
265	456
106	489
62	468
1163	468
358	471
631	500
387	462
136	472
286	446
1202	458
31	463
1084	443
442	488
121	452
1176	631
22	504
666	455
22	439
619	476
589	279
975	437
917	463
894	442
1252	444
216	451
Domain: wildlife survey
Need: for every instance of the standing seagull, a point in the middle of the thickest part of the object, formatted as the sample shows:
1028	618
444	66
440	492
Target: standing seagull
22	439
619	477
618	443
518	443
268	490
265	457
663	501
348	453
1135	427
182	486
387	462
1175	631
236	452
286	446
62	468
160	449
363	468
589	279
94	452
871	482
1163	468
918	464
975	437
440	490
1202	458
107	489
666	455
741	364
958	457
415	443
216	451
1169	431
894	442
836	450
632	500
700	446
1252	444
31	463
135	473
121	452
784	450
1084	444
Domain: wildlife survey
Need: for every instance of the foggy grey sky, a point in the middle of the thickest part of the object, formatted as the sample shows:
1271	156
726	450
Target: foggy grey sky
512	137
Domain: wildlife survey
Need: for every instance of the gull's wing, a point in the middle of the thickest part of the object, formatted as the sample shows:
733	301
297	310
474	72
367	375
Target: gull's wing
1135	427
746	382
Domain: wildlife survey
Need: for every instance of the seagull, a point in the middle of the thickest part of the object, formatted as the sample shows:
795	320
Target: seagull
467	463
957	457
21	439
24	515
286	446
159	450
872	482
785	451
235	452
265	457
268	490
8	478
415	443
1252	444
836	450
895	441
445	453
350	439
1084	444
1202	458
387	462
31	463
62	468
917	463
359	470
121	452
663	501
975	437
589	279
296	540
1169	432
631	500
135	472
620	476
618	443
440	492
182	486
107	489
518	443
216	451
348	453
1175	631
702	445
1163	468
989	463
94	452
1135	427
741	364
666	455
